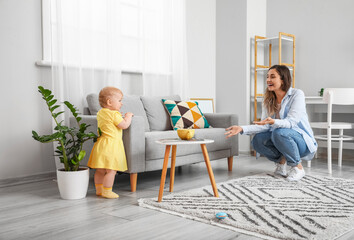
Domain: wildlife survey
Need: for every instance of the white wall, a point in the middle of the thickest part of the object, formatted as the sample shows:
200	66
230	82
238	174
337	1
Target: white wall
201	47
231	42
23	110
324	40
256	25
237	22
231	57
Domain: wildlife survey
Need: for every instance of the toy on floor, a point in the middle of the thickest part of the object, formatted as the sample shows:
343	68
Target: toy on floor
221	215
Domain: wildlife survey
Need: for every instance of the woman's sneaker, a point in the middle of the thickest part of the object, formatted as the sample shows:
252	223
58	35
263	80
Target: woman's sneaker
280	169
295	174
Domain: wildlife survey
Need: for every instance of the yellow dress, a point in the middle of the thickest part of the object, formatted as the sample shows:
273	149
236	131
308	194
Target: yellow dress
108	151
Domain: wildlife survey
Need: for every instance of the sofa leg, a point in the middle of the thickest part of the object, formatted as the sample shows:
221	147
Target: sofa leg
230	160
133	181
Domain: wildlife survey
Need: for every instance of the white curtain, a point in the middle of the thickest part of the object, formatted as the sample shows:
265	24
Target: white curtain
93	41
165	61
85	48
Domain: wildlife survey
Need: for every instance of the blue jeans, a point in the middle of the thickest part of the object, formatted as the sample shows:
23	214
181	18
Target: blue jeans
281	142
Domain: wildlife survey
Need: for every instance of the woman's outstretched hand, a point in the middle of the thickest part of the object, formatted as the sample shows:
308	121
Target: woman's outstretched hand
233	130
268	120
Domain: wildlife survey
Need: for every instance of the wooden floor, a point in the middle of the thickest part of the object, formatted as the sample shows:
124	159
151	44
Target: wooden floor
35	210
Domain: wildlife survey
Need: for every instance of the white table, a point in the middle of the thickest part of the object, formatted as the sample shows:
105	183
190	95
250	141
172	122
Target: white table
174	142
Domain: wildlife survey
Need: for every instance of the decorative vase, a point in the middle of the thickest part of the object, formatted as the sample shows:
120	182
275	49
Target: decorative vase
73	184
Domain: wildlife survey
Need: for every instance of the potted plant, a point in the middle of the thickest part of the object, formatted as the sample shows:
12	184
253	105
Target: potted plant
72	180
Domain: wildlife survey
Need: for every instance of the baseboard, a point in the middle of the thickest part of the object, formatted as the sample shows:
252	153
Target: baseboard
244	152
27	179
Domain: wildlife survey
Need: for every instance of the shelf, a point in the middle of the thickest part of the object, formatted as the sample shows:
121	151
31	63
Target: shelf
308	100
314	100
275	40
266	69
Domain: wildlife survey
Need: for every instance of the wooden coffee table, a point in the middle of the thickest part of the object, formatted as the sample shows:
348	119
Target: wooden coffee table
174	142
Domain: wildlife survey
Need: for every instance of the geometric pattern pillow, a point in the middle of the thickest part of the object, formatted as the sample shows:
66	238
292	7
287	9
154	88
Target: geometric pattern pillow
185	114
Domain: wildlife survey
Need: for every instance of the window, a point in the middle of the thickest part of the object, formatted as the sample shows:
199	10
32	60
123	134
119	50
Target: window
136	32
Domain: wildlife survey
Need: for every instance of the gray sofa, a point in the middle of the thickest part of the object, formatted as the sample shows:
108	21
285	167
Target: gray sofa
151	122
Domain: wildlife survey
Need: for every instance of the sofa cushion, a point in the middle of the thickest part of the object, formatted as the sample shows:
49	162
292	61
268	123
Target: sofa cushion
154	150
131	103
185	114
158	117
93	103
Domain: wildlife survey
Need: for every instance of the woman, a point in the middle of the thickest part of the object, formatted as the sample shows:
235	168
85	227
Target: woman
284	134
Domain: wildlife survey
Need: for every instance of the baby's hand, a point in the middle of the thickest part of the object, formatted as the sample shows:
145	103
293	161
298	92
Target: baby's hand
129	114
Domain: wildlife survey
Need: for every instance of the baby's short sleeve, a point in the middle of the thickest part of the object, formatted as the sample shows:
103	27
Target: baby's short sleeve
117	118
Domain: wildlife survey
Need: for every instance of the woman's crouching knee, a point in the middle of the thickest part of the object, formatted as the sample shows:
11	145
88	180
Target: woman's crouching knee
258	140
279	133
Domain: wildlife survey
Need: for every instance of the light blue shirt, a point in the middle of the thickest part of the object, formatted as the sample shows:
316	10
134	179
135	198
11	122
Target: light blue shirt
292	115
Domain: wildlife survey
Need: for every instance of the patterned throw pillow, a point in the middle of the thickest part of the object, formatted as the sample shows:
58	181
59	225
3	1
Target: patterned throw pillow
185	114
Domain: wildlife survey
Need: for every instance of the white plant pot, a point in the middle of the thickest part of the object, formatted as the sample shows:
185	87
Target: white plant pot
73	184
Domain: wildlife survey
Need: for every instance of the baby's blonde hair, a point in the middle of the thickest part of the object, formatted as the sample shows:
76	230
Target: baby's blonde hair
106	93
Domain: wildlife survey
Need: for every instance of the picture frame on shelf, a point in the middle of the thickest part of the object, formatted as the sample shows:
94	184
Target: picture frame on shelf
206	105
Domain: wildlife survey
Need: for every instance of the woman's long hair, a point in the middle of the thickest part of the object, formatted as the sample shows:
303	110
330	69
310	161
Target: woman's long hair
270	102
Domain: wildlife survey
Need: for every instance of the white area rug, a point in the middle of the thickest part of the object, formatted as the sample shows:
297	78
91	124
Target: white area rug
269	207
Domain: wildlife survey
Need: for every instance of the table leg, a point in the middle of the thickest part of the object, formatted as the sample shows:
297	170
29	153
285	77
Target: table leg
173	163
210	170
164	170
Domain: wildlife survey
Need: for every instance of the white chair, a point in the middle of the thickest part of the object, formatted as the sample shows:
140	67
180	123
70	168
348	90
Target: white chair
335	96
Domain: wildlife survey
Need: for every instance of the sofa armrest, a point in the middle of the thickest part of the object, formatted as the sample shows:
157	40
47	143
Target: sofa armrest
88	119
134	145
224	120
221	120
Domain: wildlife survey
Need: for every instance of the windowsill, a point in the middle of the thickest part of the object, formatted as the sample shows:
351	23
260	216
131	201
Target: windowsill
42	63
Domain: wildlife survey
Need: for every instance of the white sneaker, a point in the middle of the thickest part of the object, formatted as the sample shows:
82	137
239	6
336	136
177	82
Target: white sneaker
280	169
295	174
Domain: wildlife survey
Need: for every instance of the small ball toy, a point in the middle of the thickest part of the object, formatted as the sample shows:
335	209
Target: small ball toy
221	215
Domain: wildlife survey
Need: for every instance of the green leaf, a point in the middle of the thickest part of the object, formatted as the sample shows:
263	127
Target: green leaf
65	128
90	135
50	97
35	134
54	107
68	104
59	153
83	127
46	92
72	109
47	138
57	114
51	103
81	155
